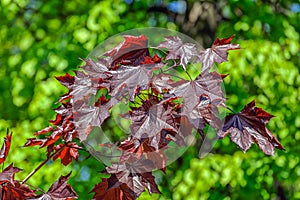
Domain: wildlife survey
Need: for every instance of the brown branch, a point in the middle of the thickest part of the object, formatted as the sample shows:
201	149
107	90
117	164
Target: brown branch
40	165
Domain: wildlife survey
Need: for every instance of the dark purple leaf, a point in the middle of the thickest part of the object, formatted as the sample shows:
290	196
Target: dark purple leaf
184	52
217	53
60	190
132	51
128	79
249	126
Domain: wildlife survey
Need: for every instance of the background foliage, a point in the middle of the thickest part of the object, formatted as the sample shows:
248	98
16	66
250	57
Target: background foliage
43	39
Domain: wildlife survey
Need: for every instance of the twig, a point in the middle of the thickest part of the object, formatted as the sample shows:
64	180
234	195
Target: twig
40	165
231	110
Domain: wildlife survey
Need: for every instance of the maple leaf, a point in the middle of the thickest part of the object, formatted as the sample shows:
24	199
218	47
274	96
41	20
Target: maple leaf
135	148
84	87
150	60
7	175
67	153
163	83
59	190
81	87
249	126
66	80
51	139
179	50
5	147
45	130
136	175
102	192
150	118
207	83
205	112
127	79
131	51
16	192
12	189
65	129
90	116
217	53
97	69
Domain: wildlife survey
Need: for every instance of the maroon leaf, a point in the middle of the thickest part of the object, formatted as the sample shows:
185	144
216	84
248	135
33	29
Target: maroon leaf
97	69
58	120
5	147
127	79
65	129
102	192
179	50
7	175
67	153
16	191
217	53
44	142
45	130
163	83
131	51
208	84
149	60
84	87
135	148
66	80
150	118
11	189
249	126
59	190
91	116
205	112
136	175
34	142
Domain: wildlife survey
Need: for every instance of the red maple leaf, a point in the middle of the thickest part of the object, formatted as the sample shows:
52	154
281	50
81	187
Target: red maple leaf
135	148
65	129
59	190
131	51
16	192
12	189
130	79
150	118
249	126
149	60
5	147
51	139
136	175
217	53
184	52
66	80
208	84
67	153
103	192
205	112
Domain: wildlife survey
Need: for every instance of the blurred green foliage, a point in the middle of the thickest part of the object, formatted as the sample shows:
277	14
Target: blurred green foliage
43	39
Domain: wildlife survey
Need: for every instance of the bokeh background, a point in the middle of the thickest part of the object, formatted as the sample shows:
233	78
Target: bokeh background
41	39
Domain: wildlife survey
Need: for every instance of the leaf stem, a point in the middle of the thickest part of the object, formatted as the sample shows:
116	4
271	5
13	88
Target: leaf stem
230	110
40	165
78	148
